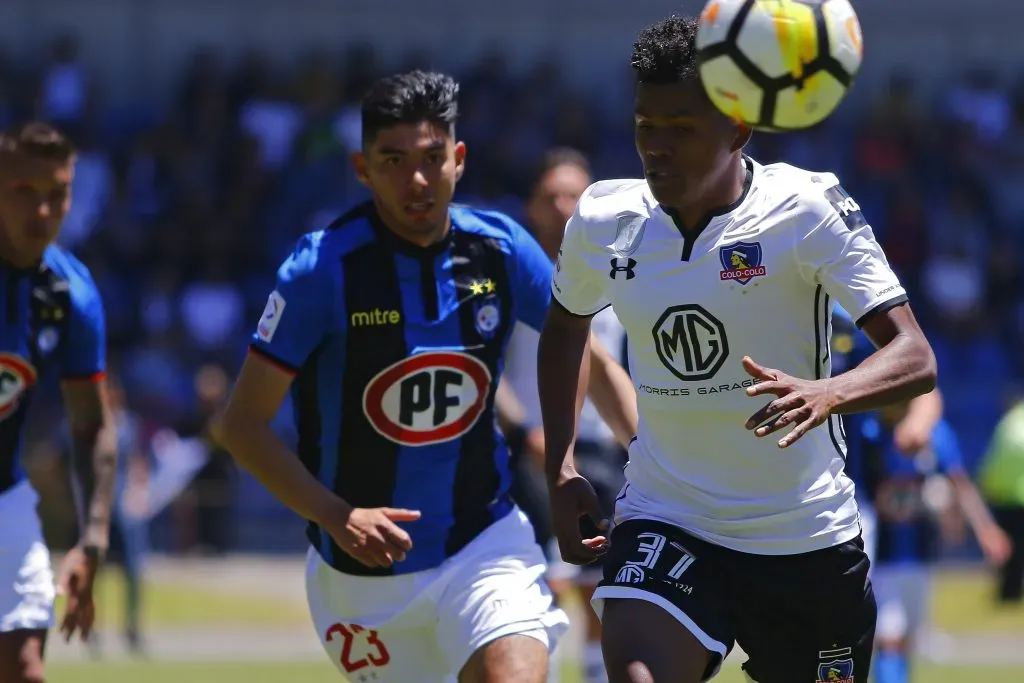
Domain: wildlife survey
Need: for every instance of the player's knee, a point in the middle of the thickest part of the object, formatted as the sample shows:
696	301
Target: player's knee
517	658
643	643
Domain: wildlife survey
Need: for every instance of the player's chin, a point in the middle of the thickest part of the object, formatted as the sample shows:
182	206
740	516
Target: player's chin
666	187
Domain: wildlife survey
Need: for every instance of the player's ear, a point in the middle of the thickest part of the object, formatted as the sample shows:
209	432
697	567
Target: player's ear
460	160
359	165
742	137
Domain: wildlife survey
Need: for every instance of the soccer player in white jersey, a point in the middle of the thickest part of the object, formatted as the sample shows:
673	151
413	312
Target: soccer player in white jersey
563	176
737	523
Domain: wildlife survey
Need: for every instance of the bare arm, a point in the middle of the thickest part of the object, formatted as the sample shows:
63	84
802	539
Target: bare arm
612	392
94	457
902	368
993	541
563	369
243	428
913	433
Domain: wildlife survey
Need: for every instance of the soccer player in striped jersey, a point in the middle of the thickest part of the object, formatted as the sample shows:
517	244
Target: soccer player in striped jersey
389	328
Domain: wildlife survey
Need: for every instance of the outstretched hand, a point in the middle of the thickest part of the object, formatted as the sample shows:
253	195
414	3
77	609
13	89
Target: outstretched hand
803	403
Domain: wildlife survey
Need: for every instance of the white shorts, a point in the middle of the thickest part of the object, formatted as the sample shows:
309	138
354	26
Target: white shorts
27	591
423	627
903	593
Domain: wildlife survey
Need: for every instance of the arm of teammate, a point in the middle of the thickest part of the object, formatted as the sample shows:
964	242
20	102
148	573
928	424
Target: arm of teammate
93	442
612	392
563	374
913	433
293	325
841	255
994	543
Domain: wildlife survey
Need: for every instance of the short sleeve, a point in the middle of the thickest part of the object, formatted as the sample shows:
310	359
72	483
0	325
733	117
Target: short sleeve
532	275
577	286
300	309
840	253
85	349
949	458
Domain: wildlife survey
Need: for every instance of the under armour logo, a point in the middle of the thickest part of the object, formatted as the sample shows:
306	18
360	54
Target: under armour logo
623	265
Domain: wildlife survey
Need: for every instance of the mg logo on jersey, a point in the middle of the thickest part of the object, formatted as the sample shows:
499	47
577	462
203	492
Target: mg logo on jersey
741	262
16	377
428	398
690	342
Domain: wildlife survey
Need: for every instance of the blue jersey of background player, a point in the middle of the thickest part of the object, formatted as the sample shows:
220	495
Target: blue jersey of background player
52	322
393	323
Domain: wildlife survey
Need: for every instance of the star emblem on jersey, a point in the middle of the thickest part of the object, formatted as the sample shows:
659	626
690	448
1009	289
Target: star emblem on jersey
429	398
481	286
741	262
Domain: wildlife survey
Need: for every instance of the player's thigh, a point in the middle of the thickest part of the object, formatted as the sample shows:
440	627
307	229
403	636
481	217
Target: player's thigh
903	593
663	605
806	617
497	590
21	656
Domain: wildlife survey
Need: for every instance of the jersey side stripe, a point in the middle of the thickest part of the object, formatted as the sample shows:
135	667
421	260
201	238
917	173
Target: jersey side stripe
822	352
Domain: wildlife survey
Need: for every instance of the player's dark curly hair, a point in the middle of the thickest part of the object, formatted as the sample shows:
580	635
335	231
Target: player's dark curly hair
666	52
411	97
37	139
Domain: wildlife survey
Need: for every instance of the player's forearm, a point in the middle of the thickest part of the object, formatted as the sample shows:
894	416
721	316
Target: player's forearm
899	371
613	394
94	454
925	410
563	368
256	447
510	412
973	507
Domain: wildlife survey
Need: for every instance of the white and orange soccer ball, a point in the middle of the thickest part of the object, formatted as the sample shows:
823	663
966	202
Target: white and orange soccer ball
778	65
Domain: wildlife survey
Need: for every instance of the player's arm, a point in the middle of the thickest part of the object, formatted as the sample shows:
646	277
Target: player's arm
840	255
612	393
299	314
93	438
994	542
913	432
563	373
93	445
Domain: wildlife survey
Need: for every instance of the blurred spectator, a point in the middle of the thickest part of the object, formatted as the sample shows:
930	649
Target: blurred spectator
1002	483
65	88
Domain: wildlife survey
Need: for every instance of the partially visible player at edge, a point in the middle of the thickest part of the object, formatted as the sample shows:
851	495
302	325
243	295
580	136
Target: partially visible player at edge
53	321
390	328
723	272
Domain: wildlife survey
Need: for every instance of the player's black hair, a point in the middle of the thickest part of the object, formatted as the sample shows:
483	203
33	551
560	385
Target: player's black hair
555	158
666	52
411	97
37	139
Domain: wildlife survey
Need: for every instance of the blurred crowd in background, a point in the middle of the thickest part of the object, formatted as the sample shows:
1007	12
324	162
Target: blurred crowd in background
184	214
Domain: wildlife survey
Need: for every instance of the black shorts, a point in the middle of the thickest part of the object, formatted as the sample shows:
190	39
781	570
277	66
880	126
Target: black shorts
800	618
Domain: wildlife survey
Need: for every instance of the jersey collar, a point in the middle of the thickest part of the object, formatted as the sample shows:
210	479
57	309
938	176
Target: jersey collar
748	180
403	246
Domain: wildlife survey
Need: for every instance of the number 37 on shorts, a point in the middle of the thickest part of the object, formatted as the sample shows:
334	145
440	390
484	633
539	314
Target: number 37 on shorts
358	650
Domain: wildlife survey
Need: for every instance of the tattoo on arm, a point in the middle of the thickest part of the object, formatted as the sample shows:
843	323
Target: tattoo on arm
94	457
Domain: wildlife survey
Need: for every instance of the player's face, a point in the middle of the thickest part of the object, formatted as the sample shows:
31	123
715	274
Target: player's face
35	195
685	144
412	171
552	203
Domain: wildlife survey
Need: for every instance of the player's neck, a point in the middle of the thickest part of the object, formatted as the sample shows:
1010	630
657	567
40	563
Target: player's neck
419	238
727	191
11	258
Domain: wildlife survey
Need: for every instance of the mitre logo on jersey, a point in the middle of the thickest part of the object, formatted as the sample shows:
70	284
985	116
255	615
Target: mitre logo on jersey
429	398
741	262
16	377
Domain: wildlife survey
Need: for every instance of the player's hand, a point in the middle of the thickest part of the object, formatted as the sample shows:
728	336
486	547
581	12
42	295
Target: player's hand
371	536
803	403
572	497
911	436
75	582
995	545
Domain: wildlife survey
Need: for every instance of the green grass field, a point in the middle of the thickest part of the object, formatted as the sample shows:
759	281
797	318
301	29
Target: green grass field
324	673
962	605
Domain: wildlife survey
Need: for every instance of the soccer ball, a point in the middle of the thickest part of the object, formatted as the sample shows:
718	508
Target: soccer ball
778	65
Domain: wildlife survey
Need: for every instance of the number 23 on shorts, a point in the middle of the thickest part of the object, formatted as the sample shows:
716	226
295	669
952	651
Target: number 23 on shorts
373	653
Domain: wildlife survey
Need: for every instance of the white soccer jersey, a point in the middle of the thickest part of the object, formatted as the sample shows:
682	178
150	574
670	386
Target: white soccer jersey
759	280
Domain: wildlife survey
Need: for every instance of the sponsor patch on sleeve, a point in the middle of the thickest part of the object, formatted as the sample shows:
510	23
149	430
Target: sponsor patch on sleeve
845	205
271	317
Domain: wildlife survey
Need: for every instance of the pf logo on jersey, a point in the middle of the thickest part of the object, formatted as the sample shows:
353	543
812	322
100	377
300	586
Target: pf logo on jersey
429	398
16	377
847	208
